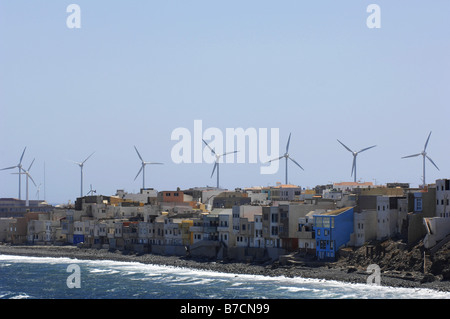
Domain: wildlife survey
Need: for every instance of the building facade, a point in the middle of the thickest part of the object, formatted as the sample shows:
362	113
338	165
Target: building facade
333	230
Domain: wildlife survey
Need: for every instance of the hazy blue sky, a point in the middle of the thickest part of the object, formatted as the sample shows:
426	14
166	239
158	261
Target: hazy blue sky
137	70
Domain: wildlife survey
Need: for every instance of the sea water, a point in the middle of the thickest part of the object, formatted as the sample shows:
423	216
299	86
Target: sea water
47	278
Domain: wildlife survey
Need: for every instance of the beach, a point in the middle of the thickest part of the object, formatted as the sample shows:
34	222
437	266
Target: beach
325	271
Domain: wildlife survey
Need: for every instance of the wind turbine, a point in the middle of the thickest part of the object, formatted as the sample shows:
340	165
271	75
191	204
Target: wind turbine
27	173
143	163
424	154
38	191
81	164
92	191
287	156
216	164
19	166
355	154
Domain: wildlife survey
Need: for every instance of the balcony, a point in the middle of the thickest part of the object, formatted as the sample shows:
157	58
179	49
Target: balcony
196	229
306	235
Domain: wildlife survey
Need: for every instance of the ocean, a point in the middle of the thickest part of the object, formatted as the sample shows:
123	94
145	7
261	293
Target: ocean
52	278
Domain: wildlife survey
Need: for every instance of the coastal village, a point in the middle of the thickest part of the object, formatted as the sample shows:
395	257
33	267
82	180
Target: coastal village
248	225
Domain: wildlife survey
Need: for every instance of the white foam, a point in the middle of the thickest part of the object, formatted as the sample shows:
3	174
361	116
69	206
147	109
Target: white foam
324	288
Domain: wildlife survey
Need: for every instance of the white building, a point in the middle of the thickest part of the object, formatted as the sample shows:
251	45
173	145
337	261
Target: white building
350	186
145	196
443	198
305	232
225	228
258	238
388	224
365	227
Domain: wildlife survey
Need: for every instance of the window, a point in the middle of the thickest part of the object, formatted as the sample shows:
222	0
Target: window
319	222
318	232
418	204
274	218
274	230
323	244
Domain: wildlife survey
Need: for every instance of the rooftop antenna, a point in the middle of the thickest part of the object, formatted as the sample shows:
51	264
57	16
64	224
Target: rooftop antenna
81	164
143	163
19	166
287	156
355	154
424	155
216	164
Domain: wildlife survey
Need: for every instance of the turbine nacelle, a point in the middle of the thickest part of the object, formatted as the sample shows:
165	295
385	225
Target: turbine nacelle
142	169
355	155
216	163
81	165
286	156
424	155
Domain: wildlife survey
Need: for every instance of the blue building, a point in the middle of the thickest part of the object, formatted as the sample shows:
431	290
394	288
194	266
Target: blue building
332	231
78	239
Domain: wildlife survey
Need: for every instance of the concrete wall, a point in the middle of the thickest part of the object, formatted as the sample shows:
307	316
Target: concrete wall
438	228
365	227
168	250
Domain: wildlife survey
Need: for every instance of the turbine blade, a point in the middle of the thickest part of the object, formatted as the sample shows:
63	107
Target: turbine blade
275	159
209	147
20	162
345	147
426	143
138	154
87	158
150	163
214	169
296	163
412	155
432	162
31	178
31	165
367	148
229	153
139	172
4	169
287	145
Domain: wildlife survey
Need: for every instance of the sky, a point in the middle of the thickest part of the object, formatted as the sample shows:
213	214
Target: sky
136	71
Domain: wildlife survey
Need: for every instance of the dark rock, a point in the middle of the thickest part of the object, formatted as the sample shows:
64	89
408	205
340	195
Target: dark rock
446	274
351	269
427	278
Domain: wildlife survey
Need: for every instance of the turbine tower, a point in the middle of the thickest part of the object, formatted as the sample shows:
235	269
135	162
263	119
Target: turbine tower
355	154
19	166
27	173
216	164
424	155
81	164
287	156
143	163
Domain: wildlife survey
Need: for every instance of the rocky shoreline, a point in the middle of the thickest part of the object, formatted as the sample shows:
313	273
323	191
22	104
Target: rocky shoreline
325	271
